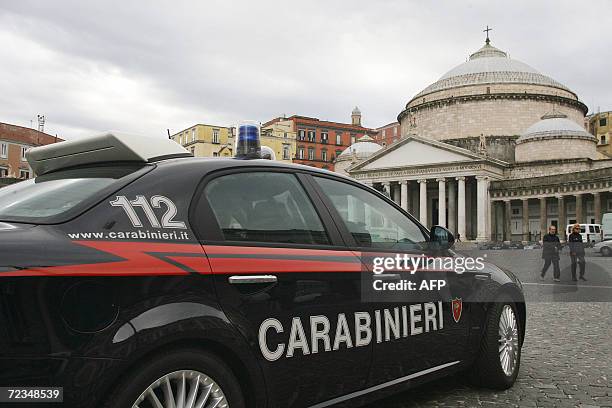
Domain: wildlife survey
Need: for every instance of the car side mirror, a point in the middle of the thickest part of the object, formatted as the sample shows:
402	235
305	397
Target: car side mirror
441	238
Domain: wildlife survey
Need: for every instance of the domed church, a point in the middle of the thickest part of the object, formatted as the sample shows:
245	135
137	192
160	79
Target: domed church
493	150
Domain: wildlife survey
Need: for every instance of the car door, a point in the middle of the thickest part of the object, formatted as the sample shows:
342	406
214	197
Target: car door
286	280
428	336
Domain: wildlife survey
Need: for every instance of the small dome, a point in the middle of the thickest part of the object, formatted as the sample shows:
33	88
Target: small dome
364	148
490	65
555	137
554	125
356	111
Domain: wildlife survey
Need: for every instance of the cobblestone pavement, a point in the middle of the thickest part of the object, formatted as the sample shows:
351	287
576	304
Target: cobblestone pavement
566	362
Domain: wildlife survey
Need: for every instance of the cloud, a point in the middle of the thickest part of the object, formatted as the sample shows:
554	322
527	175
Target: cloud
144	67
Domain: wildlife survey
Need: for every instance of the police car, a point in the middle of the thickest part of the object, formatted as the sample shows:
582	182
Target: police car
134	275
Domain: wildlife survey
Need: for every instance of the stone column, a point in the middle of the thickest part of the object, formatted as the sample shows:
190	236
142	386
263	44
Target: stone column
452	207
507	220
481	207
404	194
562	218
597	207
441	201
579	213
493	233
543	220
423	201
461	208
526	235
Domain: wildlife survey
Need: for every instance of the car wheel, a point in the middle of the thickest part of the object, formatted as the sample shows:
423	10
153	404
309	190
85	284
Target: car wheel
188	378
606	251
499	357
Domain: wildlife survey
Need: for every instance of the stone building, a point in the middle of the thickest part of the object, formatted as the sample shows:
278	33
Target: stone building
599	125
494	150
319	142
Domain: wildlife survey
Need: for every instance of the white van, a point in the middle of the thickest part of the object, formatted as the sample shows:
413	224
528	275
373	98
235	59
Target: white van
606	225
591	233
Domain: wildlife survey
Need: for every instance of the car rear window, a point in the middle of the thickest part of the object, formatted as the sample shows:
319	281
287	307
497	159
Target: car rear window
52	197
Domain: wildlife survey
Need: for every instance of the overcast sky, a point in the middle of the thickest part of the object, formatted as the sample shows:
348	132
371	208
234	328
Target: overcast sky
145	66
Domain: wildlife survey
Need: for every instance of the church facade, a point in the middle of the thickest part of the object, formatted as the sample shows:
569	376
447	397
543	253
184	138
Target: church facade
494	150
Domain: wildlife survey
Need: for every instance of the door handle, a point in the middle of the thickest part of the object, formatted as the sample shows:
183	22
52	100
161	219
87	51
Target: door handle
244	279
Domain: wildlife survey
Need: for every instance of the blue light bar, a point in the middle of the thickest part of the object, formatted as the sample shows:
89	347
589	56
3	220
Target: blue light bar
247	141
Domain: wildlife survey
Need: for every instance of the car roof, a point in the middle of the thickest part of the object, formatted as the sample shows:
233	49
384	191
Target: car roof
218	163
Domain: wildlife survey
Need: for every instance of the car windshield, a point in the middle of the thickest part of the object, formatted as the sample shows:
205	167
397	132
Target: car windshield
47	197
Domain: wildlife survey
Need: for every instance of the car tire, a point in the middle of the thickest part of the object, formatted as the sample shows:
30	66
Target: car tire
192	373
606	251
490	370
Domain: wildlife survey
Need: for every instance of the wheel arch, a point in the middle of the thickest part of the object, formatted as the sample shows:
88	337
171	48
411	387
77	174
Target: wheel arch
251	382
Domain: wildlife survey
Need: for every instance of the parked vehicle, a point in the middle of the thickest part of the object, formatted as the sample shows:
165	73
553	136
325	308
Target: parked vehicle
591	233
606	226
603	247
135	275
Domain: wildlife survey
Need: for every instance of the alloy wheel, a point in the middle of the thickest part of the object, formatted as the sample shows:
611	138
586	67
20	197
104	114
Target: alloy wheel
182	389
508	340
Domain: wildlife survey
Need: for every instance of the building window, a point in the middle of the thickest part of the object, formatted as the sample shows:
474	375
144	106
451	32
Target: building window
603	139
324	137
3	172
311	153
338	153
286	152
395	131
353	137
216	136
603	121
301	134
300	153
215	154
3	150
384	133
193	135
286	135
23	153
339	139
311	136
181	139
324	155
24	174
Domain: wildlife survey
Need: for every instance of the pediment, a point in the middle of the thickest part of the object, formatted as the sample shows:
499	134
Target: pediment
414	151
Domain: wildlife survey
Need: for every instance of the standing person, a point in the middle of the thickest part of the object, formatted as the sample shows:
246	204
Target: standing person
576	247
550	253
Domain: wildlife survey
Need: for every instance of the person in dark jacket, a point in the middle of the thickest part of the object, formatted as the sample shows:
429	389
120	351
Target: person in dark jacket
576	247
550	253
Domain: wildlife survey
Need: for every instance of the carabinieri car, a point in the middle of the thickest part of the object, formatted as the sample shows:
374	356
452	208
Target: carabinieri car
133	275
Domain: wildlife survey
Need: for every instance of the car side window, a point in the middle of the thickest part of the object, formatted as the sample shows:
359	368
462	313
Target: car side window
371	220
264	207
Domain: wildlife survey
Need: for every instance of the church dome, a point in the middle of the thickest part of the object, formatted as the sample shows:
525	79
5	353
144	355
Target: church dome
490	65
355	153
490	94
356	111
364	148
555	125
555	137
